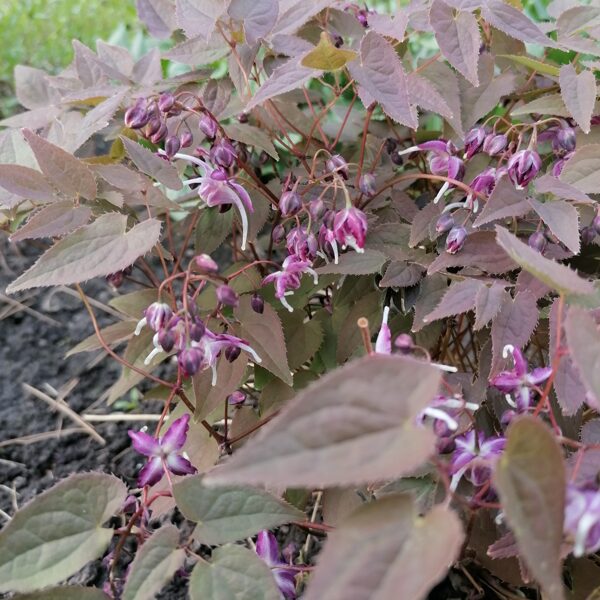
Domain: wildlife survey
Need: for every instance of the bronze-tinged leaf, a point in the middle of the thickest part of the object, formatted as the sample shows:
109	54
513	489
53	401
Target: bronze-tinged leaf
101	248
265	334
112	335
326	57
488	302
151	164
54	220
584	344
550	272
25	182
70	176
582	170
504	202
458	299
530	479
579	94
354	263
407	554
562	219
354	425
71	592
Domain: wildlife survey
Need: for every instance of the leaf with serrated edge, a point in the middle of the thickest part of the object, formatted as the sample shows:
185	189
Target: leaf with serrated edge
459	298
488	302
234	573
550	272
530	479
562	219
504	201
458	38
582	170
351	426
251	136
547	184
59	531
531	63
584	343
264	333
258	16
423	93
94	250
198	17
380	73
303	338
25	182
154	564
227	514
54	220
406	560
112	334
70	176
579	94
155	166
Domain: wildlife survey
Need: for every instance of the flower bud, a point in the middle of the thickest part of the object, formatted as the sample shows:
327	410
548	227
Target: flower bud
588	235
523	166
116	279
223	153
167	339
186	139
160	134
362	16
137	116
157	315
189	360
172	145
456	239
206	264
226	295
444	223
391	144
232	352
290	203
197	330
329	218
257	303
397	158
494	144
337	164
338	40
404	343
596	223
208	126
474	141
366	184
166	101
278	233
236	398
243	117
565	139
316	208
152	127
537	241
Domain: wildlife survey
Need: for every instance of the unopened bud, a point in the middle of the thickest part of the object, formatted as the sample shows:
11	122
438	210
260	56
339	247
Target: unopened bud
197	330
186	139
596	223
444	223
316	209
494	144
236	398
456	239
290	203
257	303
208	126
226	295
338	164
166	101
166	339
366	184
404	343
588	235
172	145
137	116
537	241
231	353
278	233
189	360
206	264
160	135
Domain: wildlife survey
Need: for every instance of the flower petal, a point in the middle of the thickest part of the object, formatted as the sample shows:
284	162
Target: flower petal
286	582
151	472
539	375
267	548
175	437
178	465
143	443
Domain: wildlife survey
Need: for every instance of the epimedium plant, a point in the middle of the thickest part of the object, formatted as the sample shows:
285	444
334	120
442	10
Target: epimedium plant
360	272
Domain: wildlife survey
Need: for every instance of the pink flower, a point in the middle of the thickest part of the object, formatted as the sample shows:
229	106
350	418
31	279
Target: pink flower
268	549
350	228
383	344
523	166
582	519
163	452
288	279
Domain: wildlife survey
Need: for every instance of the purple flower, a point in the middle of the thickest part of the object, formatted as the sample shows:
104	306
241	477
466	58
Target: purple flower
582	519
537	241
208	126
268	550
223	153
565	139
446	421
163	452
383	344
494	144
456	239
290	203
155	316
444	223
137	116
328	244
350	228
337	164
474	142
301	243
519	380
226	295
557	167
218	189
206	264
212	344
288	279
483	183
172	145
257	303
190	360
473	457
367	185
523	166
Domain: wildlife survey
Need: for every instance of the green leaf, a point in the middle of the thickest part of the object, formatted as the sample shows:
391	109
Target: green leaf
264	333
251	136
550	272
533	64
304	338
530	479
326	57
353	425
227	514
154	564
59	531
354	263
212	228
65	593
112	334
408	554
98	249
235	573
